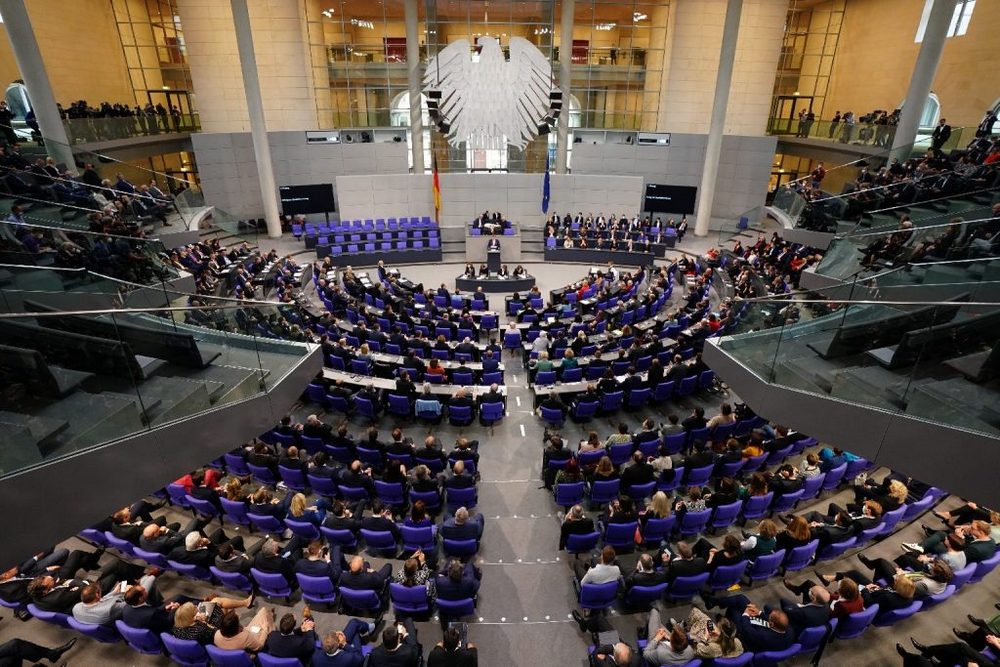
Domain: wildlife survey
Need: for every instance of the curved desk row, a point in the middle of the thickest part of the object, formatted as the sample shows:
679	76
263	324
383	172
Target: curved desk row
587	256
494	285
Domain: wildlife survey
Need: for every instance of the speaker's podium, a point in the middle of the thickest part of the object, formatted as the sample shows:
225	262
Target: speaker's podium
493	259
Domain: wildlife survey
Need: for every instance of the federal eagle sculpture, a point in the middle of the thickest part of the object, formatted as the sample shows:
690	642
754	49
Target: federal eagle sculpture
494	100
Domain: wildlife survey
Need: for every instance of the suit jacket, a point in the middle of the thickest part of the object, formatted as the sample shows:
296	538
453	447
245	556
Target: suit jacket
686	568
154	619
404	656
318	568
200	557
382	524
299	645
638	473
462	657
349	656
582	527
645	578
362	581
470	530
450	590
62	597
802	616
238	564
757	635
979	550
276	565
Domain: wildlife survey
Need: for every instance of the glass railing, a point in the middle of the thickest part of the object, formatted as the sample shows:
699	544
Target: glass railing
932	238
925	360
873	135
606	56
85	130
80	379
137	260
107	168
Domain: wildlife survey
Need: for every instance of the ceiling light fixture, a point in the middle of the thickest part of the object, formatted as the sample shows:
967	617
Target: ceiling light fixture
605	26
638	16
361	23
328	13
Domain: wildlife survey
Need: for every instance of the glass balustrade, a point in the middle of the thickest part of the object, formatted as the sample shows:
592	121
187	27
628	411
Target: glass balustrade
86	130
74	380
871	135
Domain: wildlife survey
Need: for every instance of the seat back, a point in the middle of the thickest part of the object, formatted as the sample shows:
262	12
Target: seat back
569	493
854	625
578	544
765	566
643	596
897	615
812	485
725	576
685	588
223	658
725	515
140	639
319	590
756	506
103	633
698	476
775	658
268	660
598	596
409	599
620	535
604	491
694	522
834	477
358	599
184	651
233	580
270	583
460	548
342	536
800	557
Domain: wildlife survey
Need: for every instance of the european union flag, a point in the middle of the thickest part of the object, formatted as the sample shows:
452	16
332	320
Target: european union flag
545	185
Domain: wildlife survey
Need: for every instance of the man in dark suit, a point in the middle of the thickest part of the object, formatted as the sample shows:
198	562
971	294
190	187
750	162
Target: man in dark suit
759	629
456	581
462	526
808	615
289	641
617	655
493	245
575	523
458	477
360	577
640	472
356	476
319	562
684	564
645	573
315	428
654	375
399	646
941	134
490	363
138	613
381	520
405	386
228	559
276	559
53	592
340	517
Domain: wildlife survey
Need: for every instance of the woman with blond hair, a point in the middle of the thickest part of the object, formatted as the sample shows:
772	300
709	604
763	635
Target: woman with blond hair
658	507
890	494
300	510
200	625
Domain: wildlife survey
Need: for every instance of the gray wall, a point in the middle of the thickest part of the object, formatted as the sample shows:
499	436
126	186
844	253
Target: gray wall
744	168
464	196
228	171
380	185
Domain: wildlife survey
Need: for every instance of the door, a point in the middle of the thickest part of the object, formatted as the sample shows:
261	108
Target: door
785	110
178	105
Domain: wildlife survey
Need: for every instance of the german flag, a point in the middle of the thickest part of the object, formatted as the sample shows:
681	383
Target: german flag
436	187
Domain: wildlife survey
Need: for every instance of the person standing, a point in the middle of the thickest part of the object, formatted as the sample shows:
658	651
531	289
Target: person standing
941	134
985	128
833	125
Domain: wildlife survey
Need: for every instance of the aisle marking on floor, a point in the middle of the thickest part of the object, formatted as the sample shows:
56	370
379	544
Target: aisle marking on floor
518	399
522	431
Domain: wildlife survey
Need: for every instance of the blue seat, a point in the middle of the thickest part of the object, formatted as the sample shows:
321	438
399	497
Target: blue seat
105	634
455	609
765	566
693	523
657	530
674	442
639	492
683	589
322	486
235	464
569	494
140	639
756	507
834	477
460	415
785	502
266	523
725	515
984	567
419	537
611	402
293	478
699	476
303	529
151	557
409	600
637	398
223	658
177	494
455	498
232	580
271	584
340	536
317	590
390	493
800	557
491	413
835	550
400	406
268	660
572	374
687	386
603	492
811	487
621	536
662	392
598	596
459	548
620	452
186	652
365	408
896	615
641	597
725	576
854	625
262	474
775	658
582	543
380	542
124	547
512	340
553	416
188	570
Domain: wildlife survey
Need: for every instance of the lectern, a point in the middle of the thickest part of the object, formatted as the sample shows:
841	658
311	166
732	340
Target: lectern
493	256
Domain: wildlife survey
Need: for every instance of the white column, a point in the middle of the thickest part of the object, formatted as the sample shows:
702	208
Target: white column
36	80
713	149
255	107
415	73
924	70
565	74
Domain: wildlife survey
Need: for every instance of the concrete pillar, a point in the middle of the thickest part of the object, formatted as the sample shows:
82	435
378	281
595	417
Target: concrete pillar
565	75
713	149
36	80
255	107
923	76
415	71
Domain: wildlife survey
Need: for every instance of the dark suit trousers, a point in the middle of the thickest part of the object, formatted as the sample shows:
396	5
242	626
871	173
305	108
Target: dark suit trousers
77	560
886	571
734	605
15	651
115	571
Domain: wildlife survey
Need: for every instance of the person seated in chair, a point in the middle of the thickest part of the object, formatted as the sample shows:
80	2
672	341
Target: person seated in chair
360	576
291	640
462	526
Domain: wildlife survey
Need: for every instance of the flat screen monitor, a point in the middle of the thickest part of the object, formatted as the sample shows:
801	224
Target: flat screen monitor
302	199
669	198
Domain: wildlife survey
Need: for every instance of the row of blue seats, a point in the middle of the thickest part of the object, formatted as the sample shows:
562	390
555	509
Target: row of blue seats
355	248
369	224
401	235
400	406
609	403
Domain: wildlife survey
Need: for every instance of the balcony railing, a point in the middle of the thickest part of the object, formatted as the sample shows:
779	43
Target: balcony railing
86	130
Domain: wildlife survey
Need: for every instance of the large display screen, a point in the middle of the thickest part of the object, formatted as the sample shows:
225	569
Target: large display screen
669	198
296	199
